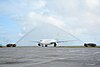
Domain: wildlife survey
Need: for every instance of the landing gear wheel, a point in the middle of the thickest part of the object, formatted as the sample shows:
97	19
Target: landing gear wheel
46	45
55	44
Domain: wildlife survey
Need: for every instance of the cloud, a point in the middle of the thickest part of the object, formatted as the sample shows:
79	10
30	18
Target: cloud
40	4
21	35
64	7
80	17
33	19
15	7
92	3
64	14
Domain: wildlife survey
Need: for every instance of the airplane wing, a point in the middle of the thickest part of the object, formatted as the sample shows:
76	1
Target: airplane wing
35	41
65	41
32	41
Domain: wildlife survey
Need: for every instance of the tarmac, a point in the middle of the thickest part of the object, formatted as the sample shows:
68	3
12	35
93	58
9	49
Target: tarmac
49	57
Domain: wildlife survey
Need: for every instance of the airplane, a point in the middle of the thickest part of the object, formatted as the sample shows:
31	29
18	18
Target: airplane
46	42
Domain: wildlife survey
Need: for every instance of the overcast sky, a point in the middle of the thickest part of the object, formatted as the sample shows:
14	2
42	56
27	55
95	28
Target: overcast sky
78	17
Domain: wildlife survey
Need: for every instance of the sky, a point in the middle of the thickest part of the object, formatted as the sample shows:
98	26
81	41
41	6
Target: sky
81	18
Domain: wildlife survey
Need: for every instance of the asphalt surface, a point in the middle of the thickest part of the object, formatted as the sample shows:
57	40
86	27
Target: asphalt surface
49	57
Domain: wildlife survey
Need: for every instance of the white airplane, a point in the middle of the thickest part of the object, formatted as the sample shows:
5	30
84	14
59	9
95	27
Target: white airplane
46	42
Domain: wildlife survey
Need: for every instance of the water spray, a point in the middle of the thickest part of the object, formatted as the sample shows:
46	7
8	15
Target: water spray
25	35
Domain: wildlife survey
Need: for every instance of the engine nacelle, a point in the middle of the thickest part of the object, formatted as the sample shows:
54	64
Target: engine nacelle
39	45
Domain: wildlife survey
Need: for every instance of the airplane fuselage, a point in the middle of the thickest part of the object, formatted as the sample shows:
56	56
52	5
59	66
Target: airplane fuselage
45	42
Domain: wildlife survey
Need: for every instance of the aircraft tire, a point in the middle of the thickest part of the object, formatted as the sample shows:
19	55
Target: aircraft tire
46	45
55	44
